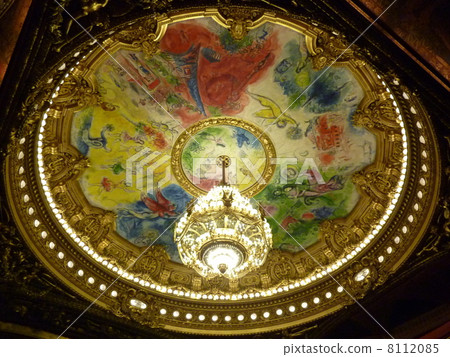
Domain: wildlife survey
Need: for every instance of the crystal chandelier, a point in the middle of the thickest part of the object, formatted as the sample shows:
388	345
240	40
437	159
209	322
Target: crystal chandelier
222	233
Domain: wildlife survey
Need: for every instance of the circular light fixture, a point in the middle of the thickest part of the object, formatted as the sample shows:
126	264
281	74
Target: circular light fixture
223	256
222	233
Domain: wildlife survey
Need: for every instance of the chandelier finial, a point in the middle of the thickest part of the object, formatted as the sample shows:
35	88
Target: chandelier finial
223	161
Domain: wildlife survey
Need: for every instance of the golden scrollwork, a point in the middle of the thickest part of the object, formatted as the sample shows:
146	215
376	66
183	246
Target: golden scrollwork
152	262
77	92
330	48
118	254
250	280
182	140
216	284
377	184
372	215
280	266
379	114
338	237
95	226
138	306
239	20
177	277
143	36
63	199
89	6
361	277
63	166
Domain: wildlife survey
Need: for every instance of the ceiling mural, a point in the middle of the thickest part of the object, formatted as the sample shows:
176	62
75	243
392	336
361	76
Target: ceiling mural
200	72
336	156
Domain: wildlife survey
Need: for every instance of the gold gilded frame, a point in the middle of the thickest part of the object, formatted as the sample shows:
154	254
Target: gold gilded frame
185	136
66	259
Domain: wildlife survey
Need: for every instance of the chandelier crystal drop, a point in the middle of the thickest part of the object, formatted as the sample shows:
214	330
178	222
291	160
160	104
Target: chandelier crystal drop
223	234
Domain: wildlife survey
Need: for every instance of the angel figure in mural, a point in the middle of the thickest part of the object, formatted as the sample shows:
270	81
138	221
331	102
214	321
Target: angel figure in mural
160	206
150	207
315	189
272	112
312	188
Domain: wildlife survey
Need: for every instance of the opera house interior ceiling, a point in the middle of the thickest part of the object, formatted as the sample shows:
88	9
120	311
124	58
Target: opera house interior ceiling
224	168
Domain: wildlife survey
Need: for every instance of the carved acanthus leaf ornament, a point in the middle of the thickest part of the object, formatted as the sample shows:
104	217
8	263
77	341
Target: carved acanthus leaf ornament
330	48
141	36
240	20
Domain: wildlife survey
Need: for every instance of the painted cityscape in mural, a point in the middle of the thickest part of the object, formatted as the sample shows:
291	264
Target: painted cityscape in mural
202	72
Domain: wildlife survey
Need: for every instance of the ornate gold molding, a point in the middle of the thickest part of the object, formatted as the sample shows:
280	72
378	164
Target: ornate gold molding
142	36
330	48
148	315
182	140
77	92
240	20
379	114
281	277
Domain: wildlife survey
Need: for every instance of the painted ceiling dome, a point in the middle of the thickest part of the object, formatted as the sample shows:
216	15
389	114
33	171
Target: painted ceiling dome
317	139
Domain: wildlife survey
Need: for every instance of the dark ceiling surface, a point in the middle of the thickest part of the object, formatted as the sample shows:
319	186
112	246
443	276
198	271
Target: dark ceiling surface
410	304
12	16
418	26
